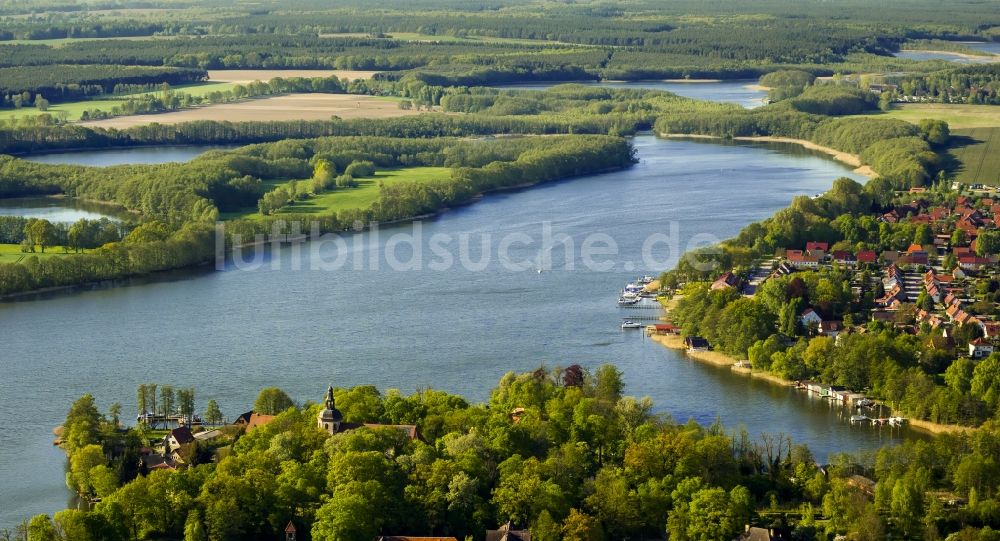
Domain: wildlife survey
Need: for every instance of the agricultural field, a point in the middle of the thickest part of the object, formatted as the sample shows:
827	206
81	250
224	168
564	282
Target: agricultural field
362	196
958	116
290	107
978	151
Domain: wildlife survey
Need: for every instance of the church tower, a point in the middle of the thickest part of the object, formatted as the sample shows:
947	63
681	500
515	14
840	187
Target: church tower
329	419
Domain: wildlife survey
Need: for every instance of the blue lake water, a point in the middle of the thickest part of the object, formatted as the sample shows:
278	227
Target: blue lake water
742	92
55	210
989	47
121	156
230	333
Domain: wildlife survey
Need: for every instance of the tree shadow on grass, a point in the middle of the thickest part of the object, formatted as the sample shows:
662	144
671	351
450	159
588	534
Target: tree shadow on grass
949	163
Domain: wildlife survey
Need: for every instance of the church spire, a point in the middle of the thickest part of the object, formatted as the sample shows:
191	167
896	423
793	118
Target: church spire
330	403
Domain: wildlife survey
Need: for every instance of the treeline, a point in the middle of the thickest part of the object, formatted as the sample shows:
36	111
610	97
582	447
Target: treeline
172	100
23	139
563	452
979	84
80	235
478	167
191	245
900	152
20	86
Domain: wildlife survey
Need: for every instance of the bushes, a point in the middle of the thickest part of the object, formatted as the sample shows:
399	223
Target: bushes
360	169
833	100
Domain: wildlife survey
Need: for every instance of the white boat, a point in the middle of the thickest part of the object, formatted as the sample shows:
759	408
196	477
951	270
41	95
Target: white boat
865	403
633	288
626	300
629	324
646	279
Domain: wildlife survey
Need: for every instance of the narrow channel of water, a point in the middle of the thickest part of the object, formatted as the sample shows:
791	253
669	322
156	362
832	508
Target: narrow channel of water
745	93
122	156
57	209
231	333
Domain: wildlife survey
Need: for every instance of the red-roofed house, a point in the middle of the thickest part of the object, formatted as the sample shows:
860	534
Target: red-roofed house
844	257
726	281
798	258
821	246
867	256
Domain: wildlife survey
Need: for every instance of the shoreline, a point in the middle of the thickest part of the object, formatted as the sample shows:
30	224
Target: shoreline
676	342
846	158
967	56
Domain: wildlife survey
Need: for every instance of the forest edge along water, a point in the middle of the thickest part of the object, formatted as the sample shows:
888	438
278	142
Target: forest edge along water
317	325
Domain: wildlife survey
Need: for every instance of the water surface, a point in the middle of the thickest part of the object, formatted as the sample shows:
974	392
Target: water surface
954	57
57	209
741	92
121	156
231	333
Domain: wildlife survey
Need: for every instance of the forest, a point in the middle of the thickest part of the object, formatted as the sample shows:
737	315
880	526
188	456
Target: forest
562	451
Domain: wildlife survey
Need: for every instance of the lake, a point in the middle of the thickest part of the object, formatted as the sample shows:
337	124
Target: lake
742	92
121	156
989	47
57	209
233	332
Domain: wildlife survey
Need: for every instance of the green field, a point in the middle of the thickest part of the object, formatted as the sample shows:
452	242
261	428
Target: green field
59	42
445	38
957	116
978	153
72	110
350	198
11	253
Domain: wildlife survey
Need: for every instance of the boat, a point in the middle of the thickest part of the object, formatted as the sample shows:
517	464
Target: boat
865	403
858	419
633	288
628	299
629	324
897	421
646	279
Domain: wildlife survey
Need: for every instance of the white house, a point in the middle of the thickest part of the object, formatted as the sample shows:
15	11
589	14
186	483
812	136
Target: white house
980	348
810	317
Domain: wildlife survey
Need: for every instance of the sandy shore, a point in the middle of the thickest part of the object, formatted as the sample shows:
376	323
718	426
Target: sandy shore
692	80
852	160
967	56
288	107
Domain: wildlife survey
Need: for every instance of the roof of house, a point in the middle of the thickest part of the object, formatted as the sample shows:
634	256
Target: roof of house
208	435
182	435
257	419
867	256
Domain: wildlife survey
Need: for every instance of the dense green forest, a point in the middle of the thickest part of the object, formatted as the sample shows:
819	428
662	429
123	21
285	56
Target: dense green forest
21	86
564	452
447	43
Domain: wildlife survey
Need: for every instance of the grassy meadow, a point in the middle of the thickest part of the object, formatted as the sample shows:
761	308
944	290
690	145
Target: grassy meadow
978	153
361	196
